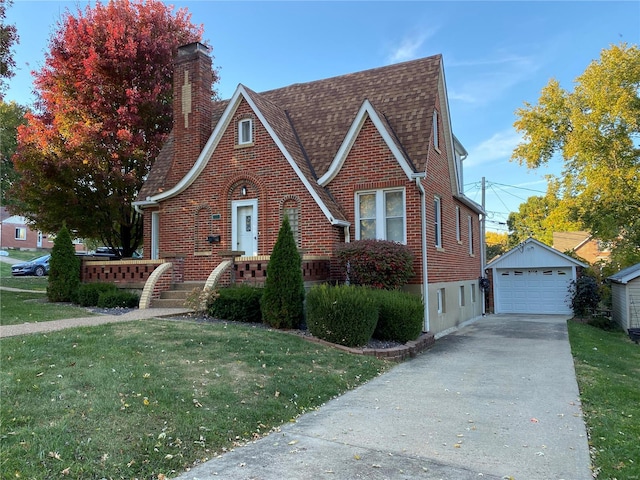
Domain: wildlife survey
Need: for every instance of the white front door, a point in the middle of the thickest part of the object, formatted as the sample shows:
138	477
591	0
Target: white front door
245	226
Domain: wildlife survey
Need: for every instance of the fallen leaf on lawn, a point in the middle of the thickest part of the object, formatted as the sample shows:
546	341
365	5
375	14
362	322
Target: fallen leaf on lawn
66	471
55	455
161	476
40	374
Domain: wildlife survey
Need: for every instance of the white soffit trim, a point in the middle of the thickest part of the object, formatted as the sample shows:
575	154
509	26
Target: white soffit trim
366	110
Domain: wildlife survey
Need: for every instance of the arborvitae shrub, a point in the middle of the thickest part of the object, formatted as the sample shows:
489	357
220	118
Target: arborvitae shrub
344	314
118	299
64	269
282	301
237	304
400	316
376	263
87	294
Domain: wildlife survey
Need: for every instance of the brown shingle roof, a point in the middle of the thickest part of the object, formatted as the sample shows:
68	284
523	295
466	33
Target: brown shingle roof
312	119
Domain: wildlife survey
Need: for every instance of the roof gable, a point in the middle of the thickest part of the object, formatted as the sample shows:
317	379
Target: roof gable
626	275
367	111
530	254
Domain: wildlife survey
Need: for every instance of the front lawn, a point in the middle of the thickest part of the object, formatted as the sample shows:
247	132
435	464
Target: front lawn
140	399
26	307
608	371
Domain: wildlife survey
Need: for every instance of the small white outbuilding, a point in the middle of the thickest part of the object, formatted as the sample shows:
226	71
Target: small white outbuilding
533	278
625	297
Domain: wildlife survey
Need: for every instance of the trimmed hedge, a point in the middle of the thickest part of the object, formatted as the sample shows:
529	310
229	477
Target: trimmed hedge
346	315
87	294
238	304
64	268
376	263
400	316
118	299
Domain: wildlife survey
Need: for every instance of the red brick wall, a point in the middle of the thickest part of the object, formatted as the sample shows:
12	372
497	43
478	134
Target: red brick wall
268	178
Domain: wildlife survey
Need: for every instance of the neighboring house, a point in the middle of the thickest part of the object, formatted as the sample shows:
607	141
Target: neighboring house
17	234
365	155
583	245
625	297
532	278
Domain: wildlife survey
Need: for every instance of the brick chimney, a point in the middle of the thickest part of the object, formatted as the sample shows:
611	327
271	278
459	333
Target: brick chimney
192	107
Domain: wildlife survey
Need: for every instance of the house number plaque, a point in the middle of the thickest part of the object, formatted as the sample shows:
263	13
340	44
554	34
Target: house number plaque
215	216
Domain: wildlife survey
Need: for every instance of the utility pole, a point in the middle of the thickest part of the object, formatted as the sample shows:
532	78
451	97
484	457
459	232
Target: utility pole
483	246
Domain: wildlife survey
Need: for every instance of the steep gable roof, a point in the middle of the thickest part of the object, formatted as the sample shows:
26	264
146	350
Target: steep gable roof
312	123
533	250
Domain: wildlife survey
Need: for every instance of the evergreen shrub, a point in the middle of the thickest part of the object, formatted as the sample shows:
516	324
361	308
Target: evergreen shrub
585	296
343	314
118	299
64	269
376	263
282	302
87	294
237	304
400	316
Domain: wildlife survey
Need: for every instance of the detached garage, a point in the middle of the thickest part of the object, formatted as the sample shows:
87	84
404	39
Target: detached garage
532	278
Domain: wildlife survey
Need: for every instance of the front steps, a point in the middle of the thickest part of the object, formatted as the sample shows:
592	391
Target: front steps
177	296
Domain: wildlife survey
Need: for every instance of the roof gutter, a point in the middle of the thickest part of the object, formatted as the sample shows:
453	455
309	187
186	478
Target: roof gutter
423	237
138	206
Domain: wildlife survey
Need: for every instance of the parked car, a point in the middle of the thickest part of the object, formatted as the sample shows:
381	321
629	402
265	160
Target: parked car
38	267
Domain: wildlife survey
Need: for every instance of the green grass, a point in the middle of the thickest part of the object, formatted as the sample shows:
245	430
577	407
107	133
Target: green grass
139	399
23	307
608	372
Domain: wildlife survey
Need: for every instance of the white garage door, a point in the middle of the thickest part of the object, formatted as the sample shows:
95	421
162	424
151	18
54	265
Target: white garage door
535	290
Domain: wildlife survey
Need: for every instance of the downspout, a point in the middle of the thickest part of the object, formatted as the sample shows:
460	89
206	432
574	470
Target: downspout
423	237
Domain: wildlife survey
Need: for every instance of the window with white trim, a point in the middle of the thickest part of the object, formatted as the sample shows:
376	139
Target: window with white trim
245	131
437	221
436	141
470	235
21	233
458	225
380	214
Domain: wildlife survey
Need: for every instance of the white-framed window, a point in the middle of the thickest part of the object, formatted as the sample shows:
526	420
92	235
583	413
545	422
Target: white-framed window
470	235
245	131
21	233
437	221
380	214
436	140
461	295
440	300
458	225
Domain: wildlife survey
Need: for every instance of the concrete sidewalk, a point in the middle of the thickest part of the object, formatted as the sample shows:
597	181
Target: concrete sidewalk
497	399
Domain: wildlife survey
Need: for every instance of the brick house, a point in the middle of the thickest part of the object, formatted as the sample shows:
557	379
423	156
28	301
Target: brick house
365	155
583	245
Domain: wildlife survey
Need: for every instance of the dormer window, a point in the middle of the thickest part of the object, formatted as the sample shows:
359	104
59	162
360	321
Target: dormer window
245	131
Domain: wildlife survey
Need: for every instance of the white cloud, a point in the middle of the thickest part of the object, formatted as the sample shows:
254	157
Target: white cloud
494	149
410	45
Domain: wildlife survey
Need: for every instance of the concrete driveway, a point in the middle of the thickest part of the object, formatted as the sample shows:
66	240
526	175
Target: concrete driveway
497	399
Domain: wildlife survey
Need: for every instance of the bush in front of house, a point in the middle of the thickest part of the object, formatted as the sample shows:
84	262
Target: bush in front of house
64	268
400	316
376	263
237	304
282	303
343	314
87	294
585	296
118	299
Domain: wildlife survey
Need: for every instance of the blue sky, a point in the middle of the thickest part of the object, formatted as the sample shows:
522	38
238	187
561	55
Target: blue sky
497	55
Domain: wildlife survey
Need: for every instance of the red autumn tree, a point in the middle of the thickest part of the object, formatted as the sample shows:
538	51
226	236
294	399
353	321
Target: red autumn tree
104	110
